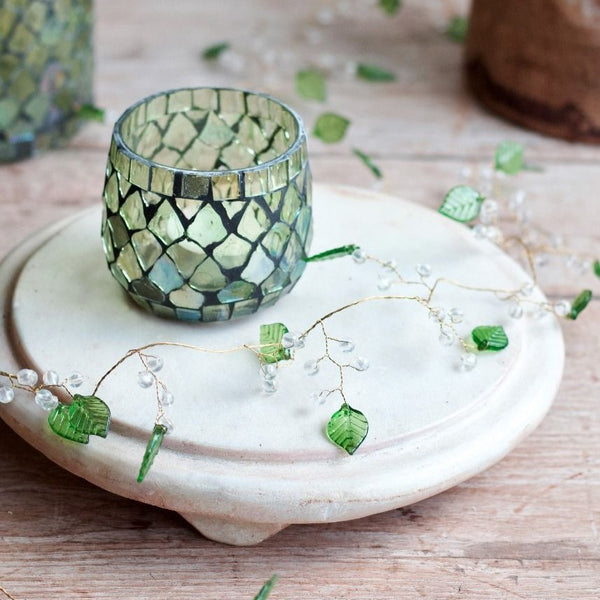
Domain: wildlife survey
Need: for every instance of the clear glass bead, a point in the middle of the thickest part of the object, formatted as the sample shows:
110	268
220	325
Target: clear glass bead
437	314
515	310
292	339
456	315
75	380
517	200
446	337
268	372
319	397
311	367
154	363
465	173
27	377
541	260
269	386
480	231
7	394
541	312
145	379
556	241
165	422
562	308
359	256
46	399
51	378
390	266
494	234
167	398
346	345
489	211
383	283
360	363
423	270
527	289
468	361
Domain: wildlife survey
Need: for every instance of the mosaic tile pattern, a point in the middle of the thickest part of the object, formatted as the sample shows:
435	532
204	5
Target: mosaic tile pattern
46	68
207	203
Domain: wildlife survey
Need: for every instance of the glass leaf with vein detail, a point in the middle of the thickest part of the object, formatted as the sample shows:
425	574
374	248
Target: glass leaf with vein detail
89	414
333	253
374	73
266	589
310	84
347	428
462	203
579	304
154	444
509	157
271	348
330	127
490	337
59	422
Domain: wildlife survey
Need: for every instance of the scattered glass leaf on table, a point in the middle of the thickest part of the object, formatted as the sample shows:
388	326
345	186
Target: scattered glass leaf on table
391	7
89	112
368	161
272	350
330	127
509	157
333	253
462	203
154	444
310	84
597	268
374	73
490	337
457	29
347	428
266	589
579	304
213	52
90	415
59	422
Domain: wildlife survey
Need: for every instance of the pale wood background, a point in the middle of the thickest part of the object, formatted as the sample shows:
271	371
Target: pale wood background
526	528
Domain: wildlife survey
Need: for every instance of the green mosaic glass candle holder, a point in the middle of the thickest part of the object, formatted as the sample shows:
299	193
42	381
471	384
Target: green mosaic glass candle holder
46	71
207	203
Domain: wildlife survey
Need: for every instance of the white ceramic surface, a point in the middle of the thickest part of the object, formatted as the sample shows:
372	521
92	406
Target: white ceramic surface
240	465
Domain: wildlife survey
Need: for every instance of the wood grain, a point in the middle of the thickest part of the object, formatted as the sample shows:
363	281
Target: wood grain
526	528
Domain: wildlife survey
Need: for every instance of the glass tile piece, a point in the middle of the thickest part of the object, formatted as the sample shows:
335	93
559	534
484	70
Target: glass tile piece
259	267
162	181
294	164
226	187
199	157
293	253
150	141
276	239
117	273
270	299
147	248
180	133
274	200
254	222
139	174
107	243
232	101
165	312
278	175
291	204
166	225
303	224
118	230
151	198
236	291
297	271
195	186
208	277
156	108
179	101
233	207
205	98
132	212
275	283
207	227
165	275
111	193
256	183
245	307
216	132
188	314
124	184
233	252
237	155
147	289
167	157
258	106
128	263
188	207
251	135
186	297
187	256
218	312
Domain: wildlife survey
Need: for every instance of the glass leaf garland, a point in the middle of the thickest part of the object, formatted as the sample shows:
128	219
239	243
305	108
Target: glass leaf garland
347	428
579	304
597	268
462	203
310	84
368	161
272	350
90	415
330	127
509	157
154	444
333	253
59	422
374	73
490	337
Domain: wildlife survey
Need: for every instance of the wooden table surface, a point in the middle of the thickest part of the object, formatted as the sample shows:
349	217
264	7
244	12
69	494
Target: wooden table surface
526	528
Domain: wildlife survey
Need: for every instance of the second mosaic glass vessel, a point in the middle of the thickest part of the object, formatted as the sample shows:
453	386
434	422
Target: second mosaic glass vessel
207	202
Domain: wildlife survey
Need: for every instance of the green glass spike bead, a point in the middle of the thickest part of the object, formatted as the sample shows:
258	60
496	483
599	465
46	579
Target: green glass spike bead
154	444
266	589
272	349
597	268
509	157
213	52
347	428
368	161
374	73
490	337
90	415
462	203
333	253
310	84
579	304
60	423
330	128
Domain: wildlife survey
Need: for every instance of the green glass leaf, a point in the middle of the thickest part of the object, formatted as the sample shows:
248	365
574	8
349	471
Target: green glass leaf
333	253
462	203
457	29
347	428
266	589
213	52
579	304
330	127
509	157
597	268
59	422
90	415
310	84
368	161
490	337
374	73
154	444
271	350
391	7
89	112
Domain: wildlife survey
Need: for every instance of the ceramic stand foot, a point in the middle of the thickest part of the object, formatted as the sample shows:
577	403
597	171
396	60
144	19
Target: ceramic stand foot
236	533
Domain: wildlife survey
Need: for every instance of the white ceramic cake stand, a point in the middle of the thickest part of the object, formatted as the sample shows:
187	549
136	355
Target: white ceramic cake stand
240	465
